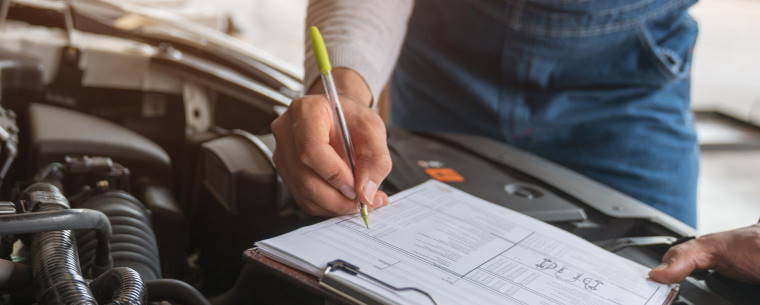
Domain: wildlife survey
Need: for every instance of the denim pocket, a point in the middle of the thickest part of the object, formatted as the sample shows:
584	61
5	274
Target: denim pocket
670	45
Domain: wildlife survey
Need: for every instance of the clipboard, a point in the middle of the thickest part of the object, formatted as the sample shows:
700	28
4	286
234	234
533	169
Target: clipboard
328	285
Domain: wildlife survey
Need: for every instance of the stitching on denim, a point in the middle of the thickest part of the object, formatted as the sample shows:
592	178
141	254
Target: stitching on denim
650	46
626	8
610	11
602	29
677	66
612	27
599	13
565	1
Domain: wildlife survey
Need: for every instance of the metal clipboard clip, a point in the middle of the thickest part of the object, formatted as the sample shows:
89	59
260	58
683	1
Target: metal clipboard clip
355	294
673	295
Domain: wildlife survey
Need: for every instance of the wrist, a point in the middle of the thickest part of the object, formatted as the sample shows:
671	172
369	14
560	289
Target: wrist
349	83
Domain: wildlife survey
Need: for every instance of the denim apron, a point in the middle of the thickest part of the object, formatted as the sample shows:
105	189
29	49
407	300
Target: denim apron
599	86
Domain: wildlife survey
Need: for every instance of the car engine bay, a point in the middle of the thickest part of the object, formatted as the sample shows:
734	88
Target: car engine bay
135	167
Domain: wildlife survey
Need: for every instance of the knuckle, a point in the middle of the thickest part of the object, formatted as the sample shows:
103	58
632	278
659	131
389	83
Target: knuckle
373	120
341	209
364	154
310	103
333	210
385	164
333	177
297	103
678	250
309	209
370	119
380	160
377	123
305	157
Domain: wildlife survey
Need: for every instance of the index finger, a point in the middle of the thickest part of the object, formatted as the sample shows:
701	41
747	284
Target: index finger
312	137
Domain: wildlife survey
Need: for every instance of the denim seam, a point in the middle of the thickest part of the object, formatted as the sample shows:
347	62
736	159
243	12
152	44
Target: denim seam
648	43
602	29
626	8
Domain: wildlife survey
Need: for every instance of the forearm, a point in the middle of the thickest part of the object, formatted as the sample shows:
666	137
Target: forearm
364	36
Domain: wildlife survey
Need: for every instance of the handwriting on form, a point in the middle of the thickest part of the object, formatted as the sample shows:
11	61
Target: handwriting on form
566	274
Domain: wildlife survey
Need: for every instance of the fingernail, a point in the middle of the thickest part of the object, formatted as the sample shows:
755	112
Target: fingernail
370	188
348	191
661	267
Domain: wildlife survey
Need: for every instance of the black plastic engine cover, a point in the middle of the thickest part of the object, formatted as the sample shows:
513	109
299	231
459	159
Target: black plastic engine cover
417	159
56	132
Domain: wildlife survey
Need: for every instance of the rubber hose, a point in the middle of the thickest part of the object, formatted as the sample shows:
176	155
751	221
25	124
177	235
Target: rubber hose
133	242
53	217
55	261
119	286
55	267
174	291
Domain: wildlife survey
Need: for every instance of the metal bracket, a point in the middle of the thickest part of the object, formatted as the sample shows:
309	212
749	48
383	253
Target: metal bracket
198	108
615	245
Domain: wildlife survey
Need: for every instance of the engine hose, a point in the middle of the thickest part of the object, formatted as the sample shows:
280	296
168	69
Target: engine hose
174	291
133	242
75	219
119	286
55	268
55	261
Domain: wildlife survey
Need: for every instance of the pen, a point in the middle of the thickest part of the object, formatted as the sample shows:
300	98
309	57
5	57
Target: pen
325	68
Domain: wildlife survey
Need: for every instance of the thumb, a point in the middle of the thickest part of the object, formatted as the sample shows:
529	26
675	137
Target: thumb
682	260
373	164
370	173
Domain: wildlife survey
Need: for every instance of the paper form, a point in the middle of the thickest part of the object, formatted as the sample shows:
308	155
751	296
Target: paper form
464	250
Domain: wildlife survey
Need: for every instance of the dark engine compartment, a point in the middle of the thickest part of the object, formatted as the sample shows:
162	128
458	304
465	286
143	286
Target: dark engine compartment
127	193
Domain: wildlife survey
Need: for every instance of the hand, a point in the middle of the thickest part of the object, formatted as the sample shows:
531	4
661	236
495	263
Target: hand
308	150
734	254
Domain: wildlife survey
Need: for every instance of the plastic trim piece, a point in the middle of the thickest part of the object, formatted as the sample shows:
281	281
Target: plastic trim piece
604	199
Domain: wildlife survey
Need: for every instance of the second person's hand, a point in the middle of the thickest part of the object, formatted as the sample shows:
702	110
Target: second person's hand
308	153
732	253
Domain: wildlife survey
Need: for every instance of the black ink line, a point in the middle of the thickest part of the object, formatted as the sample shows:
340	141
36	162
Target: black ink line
486	287
500	253
539	293
444	269
652	296
544	274
402	251
599	276
522	286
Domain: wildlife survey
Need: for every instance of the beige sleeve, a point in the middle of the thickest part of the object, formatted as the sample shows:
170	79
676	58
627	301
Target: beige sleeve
363	35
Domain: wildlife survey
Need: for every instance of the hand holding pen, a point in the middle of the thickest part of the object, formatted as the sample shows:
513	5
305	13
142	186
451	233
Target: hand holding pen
339	119
310	154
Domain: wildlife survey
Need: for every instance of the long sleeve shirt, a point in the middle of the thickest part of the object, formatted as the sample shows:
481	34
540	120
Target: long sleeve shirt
362	35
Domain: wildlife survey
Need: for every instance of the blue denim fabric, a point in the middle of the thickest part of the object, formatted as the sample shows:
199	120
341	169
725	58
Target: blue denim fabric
599	86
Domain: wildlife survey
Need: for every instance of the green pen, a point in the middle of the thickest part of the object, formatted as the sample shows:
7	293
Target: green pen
325	68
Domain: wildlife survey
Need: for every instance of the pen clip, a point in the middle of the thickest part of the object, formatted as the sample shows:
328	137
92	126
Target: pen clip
357	297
